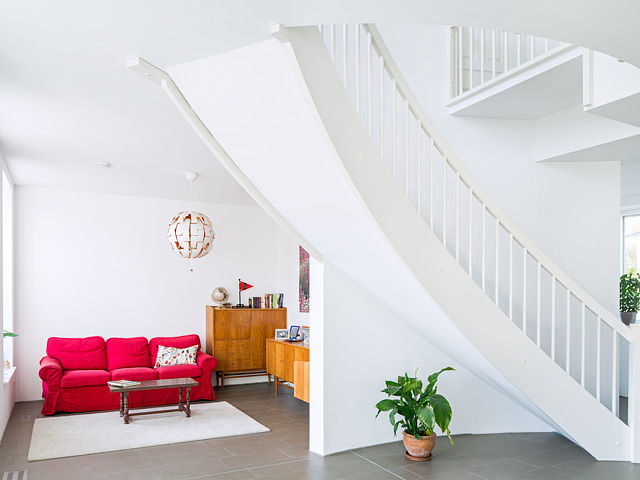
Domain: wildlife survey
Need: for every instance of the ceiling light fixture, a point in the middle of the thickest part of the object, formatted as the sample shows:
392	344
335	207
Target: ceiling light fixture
191	233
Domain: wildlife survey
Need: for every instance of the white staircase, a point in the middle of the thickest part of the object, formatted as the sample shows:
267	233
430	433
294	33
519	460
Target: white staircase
558	322
381	183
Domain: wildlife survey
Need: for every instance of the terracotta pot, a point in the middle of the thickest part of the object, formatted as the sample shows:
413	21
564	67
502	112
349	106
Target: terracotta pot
419	448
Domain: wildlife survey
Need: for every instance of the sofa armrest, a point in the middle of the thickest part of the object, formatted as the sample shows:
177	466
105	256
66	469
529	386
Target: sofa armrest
50	370
205	361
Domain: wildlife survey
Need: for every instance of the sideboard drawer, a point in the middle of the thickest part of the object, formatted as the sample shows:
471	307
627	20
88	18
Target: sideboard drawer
232	354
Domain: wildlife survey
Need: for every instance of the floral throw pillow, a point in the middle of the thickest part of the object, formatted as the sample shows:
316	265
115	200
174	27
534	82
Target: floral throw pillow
176	356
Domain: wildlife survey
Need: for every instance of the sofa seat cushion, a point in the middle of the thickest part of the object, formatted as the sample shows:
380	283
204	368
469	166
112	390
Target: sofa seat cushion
84	378
128	352
179	371
78	353
134	373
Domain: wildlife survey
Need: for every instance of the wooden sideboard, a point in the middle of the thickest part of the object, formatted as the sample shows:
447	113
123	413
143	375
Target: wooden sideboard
237	338
282	360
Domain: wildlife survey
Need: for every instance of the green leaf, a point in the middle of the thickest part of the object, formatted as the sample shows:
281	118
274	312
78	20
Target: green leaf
385	405
411	385
434	376
392	416
426	416
392	388
7	333
442	411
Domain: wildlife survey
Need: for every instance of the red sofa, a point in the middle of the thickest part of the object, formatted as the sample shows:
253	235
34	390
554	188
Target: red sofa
75	372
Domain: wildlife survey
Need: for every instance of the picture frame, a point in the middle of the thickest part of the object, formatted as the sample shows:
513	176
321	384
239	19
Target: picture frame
305	332
294	330
282	334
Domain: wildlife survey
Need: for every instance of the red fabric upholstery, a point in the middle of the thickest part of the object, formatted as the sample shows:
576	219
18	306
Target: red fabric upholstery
179	371
134	373
78	353
84	378
128	352
50	373
61	388
183	341
206	362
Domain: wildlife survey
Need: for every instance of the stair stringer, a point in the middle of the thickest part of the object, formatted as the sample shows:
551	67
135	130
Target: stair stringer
510	351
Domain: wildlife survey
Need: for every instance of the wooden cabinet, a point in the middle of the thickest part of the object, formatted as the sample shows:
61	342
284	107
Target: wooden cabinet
282	358
237	339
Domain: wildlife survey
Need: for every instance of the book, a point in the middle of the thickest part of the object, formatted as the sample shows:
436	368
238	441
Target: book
123	383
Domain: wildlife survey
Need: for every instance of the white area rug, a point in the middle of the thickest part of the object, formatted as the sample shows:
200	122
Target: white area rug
55	437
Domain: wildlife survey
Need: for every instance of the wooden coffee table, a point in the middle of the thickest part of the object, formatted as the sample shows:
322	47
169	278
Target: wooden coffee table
179	383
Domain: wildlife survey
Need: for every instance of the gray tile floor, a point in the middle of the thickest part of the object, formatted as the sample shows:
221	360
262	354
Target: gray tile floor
282	453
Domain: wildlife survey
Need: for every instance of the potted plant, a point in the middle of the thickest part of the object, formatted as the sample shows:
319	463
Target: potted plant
420	409
629	296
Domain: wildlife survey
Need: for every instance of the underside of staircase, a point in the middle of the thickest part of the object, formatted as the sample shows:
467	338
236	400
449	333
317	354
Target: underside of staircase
416	229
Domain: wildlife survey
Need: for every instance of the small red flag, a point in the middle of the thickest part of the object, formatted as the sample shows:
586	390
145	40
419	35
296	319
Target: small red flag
244	286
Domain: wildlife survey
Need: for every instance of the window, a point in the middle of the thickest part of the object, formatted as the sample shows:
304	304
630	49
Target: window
631	242
7	266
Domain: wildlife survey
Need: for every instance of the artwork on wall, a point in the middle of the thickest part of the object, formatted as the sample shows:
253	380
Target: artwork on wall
303	282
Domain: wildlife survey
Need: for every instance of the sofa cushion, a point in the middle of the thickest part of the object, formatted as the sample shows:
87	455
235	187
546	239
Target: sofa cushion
84	378
176	356
134	373
179	371
128	352
78	353
183	341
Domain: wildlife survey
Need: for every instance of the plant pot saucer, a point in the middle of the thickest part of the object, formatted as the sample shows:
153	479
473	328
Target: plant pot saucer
417	459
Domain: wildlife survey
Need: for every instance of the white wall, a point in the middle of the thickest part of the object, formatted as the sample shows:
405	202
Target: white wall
570	210
374	346
96	264
8	388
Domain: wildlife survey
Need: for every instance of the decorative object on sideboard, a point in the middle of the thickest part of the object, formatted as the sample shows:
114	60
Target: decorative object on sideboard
280	300
629	296
282	334
242	286
303	280
191	233
420	410
294	331
305	333
220	295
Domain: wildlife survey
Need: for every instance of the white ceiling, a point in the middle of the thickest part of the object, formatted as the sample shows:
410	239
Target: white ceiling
67	101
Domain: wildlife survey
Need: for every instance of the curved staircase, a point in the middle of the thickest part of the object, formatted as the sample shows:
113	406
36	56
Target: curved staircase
358	169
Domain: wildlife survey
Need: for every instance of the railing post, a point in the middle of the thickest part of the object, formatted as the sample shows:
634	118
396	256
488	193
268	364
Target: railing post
634	392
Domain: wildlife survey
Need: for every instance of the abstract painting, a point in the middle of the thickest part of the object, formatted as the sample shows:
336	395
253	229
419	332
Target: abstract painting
303	281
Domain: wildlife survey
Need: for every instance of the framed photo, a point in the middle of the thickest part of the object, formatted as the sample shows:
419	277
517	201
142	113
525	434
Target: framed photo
305	332
293	332
282	334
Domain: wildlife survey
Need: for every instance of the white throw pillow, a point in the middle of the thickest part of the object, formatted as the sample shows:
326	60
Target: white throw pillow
176	356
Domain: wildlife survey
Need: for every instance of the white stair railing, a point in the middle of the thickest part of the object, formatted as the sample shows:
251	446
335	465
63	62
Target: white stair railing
480	56
565	322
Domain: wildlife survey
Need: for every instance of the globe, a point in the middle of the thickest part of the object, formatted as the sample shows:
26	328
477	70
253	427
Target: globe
219	295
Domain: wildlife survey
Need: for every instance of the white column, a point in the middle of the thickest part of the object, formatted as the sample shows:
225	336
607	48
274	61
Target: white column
634	392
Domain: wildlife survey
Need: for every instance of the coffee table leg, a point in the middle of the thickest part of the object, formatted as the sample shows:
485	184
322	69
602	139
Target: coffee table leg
126	408
188	409
180	407
121	404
